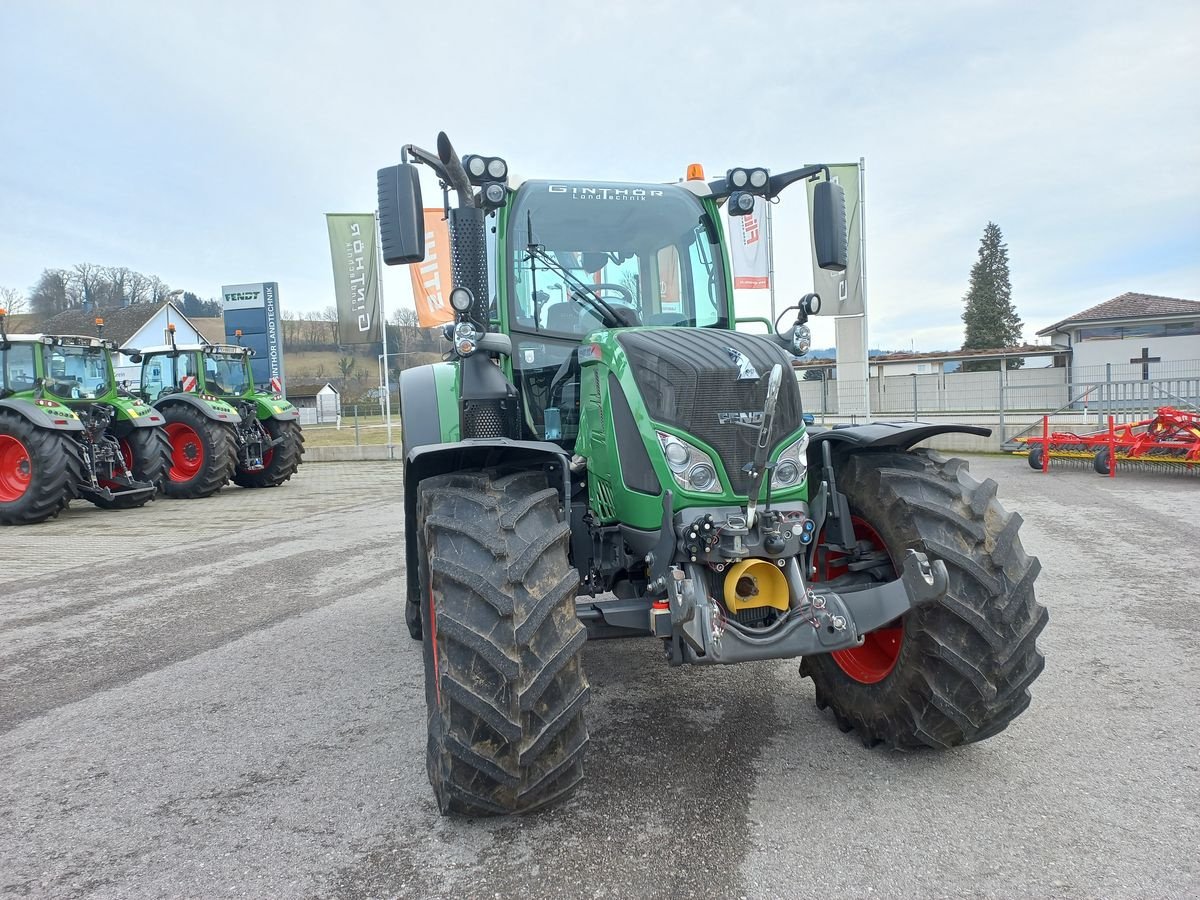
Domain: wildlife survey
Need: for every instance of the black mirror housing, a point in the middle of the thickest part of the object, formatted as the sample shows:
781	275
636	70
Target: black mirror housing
401	215
829	226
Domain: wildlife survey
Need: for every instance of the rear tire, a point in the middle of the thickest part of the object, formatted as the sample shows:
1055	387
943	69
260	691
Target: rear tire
281	462
148	457
964	664
37	470
203	453
504	681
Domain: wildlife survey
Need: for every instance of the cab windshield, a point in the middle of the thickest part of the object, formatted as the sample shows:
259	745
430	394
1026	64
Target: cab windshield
650	251
78	373
225	374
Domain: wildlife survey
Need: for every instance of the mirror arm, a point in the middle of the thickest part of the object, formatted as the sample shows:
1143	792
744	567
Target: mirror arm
426	158
783	179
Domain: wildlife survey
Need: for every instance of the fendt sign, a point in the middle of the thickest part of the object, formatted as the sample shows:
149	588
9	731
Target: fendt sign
254	310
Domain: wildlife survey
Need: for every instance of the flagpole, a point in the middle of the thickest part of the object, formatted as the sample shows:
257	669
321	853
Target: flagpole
771	261
862	271
387	378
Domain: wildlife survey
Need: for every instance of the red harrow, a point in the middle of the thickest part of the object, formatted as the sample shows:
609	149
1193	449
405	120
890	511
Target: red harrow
1171	438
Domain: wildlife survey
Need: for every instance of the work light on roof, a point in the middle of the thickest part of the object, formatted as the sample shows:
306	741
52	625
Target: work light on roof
481	169
754	180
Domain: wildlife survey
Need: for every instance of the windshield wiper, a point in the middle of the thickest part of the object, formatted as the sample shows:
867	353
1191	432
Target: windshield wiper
583	291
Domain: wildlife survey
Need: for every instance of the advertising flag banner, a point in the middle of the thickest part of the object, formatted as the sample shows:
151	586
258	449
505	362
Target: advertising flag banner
431	279
355	276
842	292
748	252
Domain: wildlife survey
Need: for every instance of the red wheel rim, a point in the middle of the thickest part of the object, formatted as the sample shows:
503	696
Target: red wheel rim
876	658
187	451
16	469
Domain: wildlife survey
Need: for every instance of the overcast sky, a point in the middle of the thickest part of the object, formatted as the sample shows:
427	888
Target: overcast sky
203	142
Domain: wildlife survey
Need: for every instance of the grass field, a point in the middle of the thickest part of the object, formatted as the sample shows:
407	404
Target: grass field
371	430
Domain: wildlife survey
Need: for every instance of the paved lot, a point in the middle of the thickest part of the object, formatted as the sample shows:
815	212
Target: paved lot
218	698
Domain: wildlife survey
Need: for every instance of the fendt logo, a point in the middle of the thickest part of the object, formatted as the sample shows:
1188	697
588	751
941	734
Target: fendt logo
750	419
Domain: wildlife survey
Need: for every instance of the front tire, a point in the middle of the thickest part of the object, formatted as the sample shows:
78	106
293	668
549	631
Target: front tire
280	462
504	681
203	453
38	470
957	670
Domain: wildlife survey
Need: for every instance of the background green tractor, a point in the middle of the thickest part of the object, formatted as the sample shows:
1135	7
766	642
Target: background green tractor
601	426
67	430
220	424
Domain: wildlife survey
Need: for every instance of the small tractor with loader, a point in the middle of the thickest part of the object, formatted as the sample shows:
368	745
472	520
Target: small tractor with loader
603	455
68	430
221	426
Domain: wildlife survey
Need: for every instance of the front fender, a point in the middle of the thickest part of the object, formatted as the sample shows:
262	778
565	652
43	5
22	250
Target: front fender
879	436
57	417
208	410
438	459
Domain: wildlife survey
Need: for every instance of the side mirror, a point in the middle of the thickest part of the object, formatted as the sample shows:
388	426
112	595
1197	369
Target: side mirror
401	215
134	356
829	226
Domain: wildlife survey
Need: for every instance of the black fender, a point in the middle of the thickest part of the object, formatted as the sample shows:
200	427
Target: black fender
192	400
479	453
878	436
39	416
420	421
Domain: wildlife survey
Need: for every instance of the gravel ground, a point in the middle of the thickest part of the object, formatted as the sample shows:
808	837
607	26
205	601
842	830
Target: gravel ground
219	699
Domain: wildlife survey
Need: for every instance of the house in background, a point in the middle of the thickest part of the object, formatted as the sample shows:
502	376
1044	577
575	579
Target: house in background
1131	337
137	326
317	402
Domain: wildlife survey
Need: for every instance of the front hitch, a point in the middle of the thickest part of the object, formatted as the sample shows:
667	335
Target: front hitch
819	621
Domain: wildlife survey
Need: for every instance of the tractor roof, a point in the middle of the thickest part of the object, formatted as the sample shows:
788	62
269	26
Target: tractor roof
75	340
191	348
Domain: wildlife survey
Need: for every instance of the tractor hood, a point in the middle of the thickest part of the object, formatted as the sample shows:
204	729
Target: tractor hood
712	384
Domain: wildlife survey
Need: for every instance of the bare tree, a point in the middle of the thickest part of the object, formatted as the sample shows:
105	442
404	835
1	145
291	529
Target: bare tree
137	287
330	316
159	290
51	294
12	300
88	280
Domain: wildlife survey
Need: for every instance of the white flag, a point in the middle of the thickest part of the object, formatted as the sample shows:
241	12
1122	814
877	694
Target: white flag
748	249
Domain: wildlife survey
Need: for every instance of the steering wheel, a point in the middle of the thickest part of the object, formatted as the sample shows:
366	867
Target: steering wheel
100	388
626	293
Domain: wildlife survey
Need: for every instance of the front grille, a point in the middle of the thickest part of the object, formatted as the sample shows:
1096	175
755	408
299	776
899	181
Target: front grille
687	377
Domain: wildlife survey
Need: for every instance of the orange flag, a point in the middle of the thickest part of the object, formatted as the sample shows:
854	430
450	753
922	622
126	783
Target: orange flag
431	279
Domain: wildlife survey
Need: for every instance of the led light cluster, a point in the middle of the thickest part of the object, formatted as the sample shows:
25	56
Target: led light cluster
691	467
791	466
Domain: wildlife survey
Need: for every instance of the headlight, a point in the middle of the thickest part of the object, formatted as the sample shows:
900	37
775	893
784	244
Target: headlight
801	339
791	466
691	467
464	338
461	299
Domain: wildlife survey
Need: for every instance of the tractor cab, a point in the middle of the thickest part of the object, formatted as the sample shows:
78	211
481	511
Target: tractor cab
220	370
609	256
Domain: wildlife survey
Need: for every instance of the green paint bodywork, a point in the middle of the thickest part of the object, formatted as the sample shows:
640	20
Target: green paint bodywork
126	408
609	499
267	405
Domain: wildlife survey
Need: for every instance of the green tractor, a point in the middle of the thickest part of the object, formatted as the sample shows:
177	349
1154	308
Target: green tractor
68	430
221	426
603	455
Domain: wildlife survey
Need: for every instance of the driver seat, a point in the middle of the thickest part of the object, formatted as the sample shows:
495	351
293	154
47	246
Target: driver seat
563	317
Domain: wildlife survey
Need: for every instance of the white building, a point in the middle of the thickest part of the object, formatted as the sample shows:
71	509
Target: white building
1133	336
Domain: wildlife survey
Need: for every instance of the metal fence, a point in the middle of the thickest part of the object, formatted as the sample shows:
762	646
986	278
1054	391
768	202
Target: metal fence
1012	399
